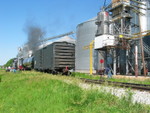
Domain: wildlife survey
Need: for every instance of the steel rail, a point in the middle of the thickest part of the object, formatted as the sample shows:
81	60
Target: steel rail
143	87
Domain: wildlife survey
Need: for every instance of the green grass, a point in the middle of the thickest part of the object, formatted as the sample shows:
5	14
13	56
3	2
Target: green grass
96	77
131	80
34	92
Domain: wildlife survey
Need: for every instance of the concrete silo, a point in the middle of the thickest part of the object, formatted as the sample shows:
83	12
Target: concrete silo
85	34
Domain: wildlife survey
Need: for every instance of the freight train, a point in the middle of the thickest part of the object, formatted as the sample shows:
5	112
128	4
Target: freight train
58	57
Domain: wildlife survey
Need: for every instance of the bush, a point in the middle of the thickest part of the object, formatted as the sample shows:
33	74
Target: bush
9	63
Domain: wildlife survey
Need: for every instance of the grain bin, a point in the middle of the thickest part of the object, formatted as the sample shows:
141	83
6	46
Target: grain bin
85	34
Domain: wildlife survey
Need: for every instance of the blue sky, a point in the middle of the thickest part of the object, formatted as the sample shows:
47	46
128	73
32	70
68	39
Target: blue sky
54	16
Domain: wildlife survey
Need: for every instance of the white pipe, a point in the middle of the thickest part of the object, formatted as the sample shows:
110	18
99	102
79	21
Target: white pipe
136	55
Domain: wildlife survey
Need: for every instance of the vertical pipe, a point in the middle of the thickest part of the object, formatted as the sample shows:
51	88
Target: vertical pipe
121	26
143	57
142	20
127	66
18	62
114	64
136	61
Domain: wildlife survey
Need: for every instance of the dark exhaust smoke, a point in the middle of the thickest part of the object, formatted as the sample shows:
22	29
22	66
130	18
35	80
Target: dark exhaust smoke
35	34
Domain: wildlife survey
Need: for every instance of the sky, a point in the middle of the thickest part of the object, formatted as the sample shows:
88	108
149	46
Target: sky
54	16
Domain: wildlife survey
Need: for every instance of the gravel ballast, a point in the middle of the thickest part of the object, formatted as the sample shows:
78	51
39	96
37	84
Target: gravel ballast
142	97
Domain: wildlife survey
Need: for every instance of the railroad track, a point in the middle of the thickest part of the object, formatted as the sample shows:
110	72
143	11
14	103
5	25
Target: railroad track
143	87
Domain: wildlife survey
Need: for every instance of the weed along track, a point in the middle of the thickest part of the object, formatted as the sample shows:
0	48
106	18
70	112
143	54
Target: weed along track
26	92
142	87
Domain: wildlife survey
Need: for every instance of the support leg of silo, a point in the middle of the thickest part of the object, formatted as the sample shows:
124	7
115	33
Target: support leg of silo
127	66
114	63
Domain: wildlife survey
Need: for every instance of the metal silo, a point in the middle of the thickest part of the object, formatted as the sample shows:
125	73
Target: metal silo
148	15
146	25
146	39
143	18
102	23
85	34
